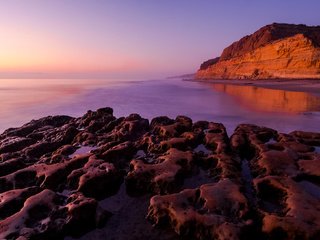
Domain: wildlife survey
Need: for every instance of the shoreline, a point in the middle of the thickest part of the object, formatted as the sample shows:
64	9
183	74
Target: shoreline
196	99
296	85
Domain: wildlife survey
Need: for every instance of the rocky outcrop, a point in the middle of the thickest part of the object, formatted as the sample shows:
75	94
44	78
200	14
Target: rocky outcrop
209	63
63	176
275	51
214	210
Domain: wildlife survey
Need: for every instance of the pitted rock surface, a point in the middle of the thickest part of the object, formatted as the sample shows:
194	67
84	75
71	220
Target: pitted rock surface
58	173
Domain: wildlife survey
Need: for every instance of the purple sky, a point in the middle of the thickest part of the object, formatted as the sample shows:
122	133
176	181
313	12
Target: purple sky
146	38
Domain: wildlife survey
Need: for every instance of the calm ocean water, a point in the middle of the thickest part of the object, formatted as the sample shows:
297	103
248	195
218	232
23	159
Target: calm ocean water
22	100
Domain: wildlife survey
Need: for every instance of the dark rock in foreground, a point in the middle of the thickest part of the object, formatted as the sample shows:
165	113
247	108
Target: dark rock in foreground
58	176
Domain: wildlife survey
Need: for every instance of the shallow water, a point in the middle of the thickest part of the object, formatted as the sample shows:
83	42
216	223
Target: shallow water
82	150
202	148
311	188
22	100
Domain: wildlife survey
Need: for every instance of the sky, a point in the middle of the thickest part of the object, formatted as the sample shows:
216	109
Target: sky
130	38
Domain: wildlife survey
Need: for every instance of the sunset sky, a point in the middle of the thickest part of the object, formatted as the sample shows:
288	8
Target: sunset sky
97	38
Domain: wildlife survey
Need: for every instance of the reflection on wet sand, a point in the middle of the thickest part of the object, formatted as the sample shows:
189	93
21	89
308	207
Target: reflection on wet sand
271	100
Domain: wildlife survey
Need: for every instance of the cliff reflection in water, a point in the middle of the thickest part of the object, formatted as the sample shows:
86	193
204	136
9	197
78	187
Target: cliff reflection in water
271	100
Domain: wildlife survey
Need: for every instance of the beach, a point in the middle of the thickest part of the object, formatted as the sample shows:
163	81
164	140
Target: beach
88	171
163	120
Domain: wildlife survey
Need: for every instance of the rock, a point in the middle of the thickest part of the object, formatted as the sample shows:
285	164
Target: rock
82	214
39	149
12	201
111	125
60	175
102	115
274	51
65	150
271	153
288	209
85	138
11	165
310	168
97	179
119	154
13	144
46	216
54	121
160	176
44	175
213	211
222	166
180	143
209	63
129	129
267	34
308	138
105	111
281	162
54	175
34	218
216	138
248	140
162	121
285	173
166	128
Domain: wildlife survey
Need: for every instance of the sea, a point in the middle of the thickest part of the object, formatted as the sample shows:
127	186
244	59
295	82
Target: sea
22	100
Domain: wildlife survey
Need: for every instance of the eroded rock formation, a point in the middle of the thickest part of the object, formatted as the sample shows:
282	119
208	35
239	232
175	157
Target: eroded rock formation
55	173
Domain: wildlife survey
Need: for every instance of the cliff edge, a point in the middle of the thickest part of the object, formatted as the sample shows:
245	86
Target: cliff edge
275	51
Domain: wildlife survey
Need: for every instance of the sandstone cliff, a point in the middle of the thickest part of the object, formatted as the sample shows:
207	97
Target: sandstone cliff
274	51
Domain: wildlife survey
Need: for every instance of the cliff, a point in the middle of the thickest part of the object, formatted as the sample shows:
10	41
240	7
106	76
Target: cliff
274	51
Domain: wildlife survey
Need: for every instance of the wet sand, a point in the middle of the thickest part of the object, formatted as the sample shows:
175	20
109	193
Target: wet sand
309	86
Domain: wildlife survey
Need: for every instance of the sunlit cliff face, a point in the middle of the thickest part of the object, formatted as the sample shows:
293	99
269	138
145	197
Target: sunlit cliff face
262	99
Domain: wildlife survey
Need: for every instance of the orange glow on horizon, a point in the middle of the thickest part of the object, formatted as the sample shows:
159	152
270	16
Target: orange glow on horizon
31	51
